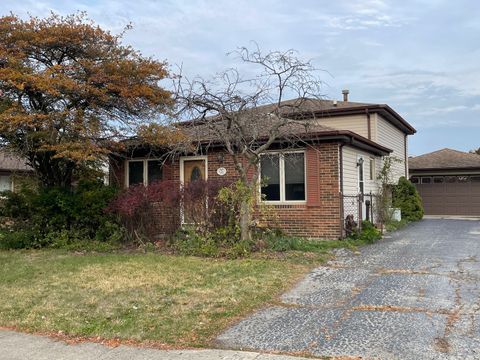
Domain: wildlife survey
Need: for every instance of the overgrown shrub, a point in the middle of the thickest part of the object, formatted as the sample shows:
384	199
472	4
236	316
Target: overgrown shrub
59	217
369	233
137	208
407	199
212	229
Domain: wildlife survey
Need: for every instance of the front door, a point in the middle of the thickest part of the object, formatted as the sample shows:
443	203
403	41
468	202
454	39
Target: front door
193	170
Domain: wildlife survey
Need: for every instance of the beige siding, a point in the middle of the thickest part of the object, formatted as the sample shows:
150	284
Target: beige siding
355	123
393	138
350	171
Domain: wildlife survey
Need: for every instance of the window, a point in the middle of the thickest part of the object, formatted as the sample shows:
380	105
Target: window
154	171
372	169
144	172
415	180
5	183
135	172
438	180
361	180
294	176
426	180
283	176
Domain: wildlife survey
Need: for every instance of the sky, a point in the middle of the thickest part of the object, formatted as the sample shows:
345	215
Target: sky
420	57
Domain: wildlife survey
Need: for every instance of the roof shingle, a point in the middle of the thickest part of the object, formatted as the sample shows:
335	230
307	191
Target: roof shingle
12	162
445	159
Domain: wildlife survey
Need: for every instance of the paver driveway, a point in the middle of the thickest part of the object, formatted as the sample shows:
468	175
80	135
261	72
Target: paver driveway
415	295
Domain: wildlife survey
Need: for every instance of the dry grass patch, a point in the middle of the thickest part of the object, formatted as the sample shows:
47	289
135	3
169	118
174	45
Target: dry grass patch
181	301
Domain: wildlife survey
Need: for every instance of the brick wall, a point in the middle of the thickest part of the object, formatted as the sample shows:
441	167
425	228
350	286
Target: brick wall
319	217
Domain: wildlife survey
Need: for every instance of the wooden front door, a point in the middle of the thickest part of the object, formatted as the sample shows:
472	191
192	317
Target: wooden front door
193	207
193	170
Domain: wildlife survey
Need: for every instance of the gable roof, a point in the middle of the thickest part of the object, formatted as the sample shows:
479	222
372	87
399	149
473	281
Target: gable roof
318	108
10	162
445	159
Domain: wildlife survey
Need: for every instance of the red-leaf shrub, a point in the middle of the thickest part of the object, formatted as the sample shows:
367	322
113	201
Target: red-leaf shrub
137	207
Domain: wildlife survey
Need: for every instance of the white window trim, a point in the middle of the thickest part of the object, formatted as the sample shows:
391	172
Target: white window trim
282	200
358	173
182	179
145	170
192	158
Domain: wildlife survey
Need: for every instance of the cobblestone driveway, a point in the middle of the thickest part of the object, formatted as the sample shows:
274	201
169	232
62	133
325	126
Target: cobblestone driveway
415	295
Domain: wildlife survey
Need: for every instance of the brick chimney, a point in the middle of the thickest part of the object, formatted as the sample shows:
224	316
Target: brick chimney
345	93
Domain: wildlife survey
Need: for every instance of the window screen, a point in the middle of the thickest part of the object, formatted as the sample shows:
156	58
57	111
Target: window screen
135	172
155	172
294	176
270	172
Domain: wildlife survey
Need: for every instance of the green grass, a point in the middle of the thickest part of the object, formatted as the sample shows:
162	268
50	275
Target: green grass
168	300
182	301
394	225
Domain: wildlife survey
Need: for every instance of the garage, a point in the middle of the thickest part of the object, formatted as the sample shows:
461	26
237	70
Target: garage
448	182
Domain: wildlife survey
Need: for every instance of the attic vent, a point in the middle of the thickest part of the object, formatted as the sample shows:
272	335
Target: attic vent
345	93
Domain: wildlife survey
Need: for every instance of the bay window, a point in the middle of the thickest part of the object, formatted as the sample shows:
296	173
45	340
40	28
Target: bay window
143	172
283	176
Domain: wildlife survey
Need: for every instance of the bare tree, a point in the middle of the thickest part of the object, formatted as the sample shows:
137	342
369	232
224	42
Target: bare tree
246	110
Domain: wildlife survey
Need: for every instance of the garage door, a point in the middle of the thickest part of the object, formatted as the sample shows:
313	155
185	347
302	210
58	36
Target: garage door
449	195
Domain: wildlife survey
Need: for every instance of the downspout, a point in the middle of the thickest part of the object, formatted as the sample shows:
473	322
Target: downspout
340	160
369	124
406	155
341	167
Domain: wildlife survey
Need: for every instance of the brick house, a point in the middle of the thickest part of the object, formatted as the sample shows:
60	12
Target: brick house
339	153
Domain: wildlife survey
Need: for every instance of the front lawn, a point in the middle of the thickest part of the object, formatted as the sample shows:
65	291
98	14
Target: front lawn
181	301
162	300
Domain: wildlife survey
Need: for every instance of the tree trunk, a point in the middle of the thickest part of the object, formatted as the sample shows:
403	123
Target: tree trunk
245	221
52	172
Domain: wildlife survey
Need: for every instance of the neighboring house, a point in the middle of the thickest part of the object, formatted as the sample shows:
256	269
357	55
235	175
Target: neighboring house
340	153
12	169
448	182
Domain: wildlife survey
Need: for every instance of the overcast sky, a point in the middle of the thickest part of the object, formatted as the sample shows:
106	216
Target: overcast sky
420	57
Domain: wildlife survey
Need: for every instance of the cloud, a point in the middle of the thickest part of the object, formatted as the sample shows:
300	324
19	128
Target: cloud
420	57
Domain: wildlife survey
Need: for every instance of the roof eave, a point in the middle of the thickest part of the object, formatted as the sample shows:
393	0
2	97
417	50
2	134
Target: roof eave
439	169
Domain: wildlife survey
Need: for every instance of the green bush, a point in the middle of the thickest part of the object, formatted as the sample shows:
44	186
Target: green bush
369	233
20	239
393	225
59	217
221	242
407	199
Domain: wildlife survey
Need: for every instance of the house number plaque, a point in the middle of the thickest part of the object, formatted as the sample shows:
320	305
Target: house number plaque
221	171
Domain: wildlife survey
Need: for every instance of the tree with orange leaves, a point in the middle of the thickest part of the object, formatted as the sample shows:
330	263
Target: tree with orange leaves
69	90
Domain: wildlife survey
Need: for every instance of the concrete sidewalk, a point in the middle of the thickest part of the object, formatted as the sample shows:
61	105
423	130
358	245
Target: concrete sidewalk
18	346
